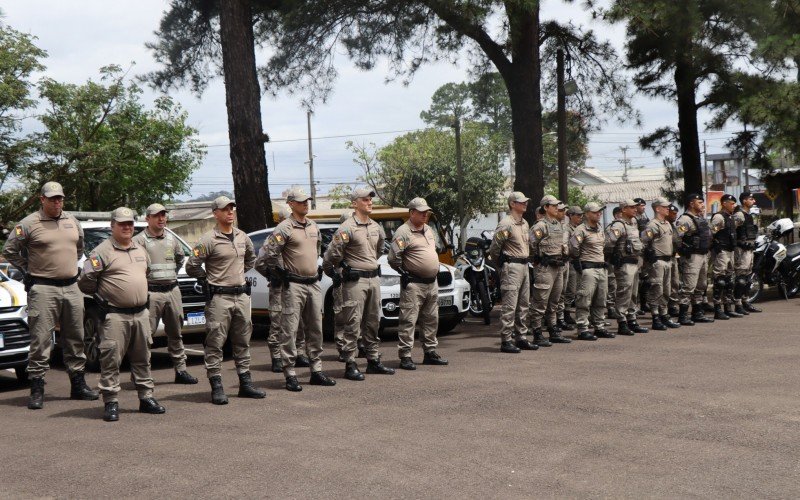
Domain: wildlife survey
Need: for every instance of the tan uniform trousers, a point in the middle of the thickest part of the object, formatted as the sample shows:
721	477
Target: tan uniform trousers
675	287
168	307
723	269
339	319
571	288
301	302
562	300
228	315
275	336
125	334
591	301
743	261
419	304
611	299
361	304
642	271
48	305
660	281
515	290
694	278
547	285
625	277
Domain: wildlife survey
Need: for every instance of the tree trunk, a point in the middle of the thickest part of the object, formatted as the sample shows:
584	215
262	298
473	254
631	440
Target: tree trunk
687	128
243	102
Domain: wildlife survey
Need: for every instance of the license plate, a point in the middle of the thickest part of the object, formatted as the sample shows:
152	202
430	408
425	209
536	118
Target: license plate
197	318
445	301
2	342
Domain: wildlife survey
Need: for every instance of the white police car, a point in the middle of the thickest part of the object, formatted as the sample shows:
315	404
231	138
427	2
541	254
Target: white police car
15	339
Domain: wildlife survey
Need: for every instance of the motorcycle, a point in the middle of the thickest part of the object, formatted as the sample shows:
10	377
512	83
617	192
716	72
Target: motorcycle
774	263
483	279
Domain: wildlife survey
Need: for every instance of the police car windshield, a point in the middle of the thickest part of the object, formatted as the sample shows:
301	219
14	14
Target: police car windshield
96	235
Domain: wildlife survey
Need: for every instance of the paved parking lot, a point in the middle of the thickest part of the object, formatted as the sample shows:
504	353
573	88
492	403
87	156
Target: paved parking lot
711	410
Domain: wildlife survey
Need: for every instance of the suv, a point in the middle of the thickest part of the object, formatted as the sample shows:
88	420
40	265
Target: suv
454	291
15	339
95	232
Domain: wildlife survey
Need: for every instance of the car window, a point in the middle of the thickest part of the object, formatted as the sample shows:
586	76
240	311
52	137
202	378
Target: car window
259	239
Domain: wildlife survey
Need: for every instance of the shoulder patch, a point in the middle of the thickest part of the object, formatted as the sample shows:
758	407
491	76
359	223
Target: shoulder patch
616	232
279	237
649	233
199	250
682	228
19	231
401	244
97	262
579	238
538	233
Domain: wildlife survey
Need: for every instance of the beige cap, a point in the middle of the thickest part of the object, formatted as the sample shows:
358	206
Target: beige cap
562	206
297	194
221	202
593	206
156	208
575	210
630	202
518	197
123	214
660	202
362	192
51	189
419	204
549	199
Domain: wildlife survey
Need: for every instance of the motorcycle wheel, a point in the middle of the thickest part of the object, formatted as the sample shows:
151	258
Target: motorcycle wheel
792	288
483	293
756	286
475	301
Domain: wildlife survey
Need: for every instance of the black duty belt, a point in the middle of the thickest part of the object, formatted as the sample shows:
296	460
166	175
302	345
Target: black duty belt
418	279
515	260
127	310
366	274
665	258
305	280
746	245
154	287
228	290
54	282
630	259
592	265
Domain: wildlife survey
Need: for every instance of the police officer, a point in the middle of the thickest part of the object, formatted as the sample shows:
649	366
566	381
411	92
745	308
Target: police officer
694	235
674	295
510	250
117	272
586	245
746	233
639	295
658	242
338	317
227	253
290	254
549	248
166	257
46	246
723	227
352	259
611	299
413	254
575	216
625	247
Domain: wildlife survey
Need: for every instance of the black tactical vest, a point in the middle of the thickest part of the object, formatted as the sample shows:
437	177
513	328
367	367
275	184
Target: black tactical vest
641	222
747	232
725	238
700	242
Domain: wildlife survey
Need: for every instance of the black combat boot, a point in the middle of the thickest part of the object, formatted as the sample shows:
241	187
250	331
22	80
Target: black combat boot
719	313
302	362
698	314
218	396
731	313
683	316
602	333
623	328
433	358
740	310
708	307
277	365
79	389
319	378
563	325
292	384
525	344
151	406
374	366
667	321
183	377
406	363
750	307
362	352
538	338
247	389
111	411
636	327
612	313
673	311
508	347
37	394
586	335
556	338
351	371
568	319
657	324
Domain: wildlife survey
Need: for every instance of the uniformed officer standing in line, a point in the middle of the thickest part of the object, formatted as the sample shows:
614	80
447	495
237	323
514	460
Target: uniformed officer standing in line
510	250
658	242
227	253
586	245
625	248
694	234
338	318
723	227
413	254
567	303
117	273
639	296
166	257
352	259
46	246
611	299
290	254
549	248
746	234
674	296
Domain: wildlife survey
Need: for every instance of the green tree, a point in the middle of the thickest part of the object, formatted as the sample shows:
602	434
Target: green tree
340	194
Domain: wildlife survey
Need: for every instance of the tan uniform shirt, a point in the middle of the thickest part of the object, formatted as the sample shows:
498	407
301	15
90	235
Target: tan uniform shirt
46	247
358	245
511	238
686	227
658	235
587	243
619	232
117	274
548	238
293	245
226	261
166	255
414	251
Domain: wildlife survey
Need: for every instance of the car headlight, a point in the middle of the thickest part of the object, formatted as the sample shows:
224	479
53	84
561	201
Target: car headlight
390	280
458	273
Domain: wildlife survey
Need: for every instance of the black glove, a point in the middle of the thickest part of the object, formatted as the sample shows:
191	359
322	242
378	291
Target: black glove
337	279
27	280
405	278
204	286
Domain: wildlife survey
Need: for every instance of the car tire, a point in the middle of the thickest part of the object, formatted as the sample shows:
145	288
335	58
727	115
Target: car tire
22	374
447	325
91	338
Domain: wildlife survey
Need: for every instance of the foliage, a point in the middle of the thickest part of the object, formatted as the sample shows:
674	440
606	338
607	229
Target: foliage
340	194
575	195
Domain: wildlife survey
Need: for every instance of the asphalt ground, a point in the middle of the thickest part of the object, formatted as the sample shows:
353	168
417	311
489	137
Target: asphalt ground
705	411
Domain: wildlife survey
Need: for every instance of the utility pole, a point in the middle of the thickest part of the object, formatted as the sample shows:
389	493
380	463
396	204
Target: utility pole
626	163
459	182
311	165
745	162
705	168
561	116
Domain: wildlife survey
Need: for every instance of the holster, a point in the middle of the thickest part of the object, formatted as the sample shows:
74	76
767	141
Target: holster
102	306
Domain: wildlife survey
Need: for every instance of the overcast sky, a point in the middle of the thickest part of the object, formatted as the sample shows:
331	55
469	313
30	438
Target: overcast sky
82	36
